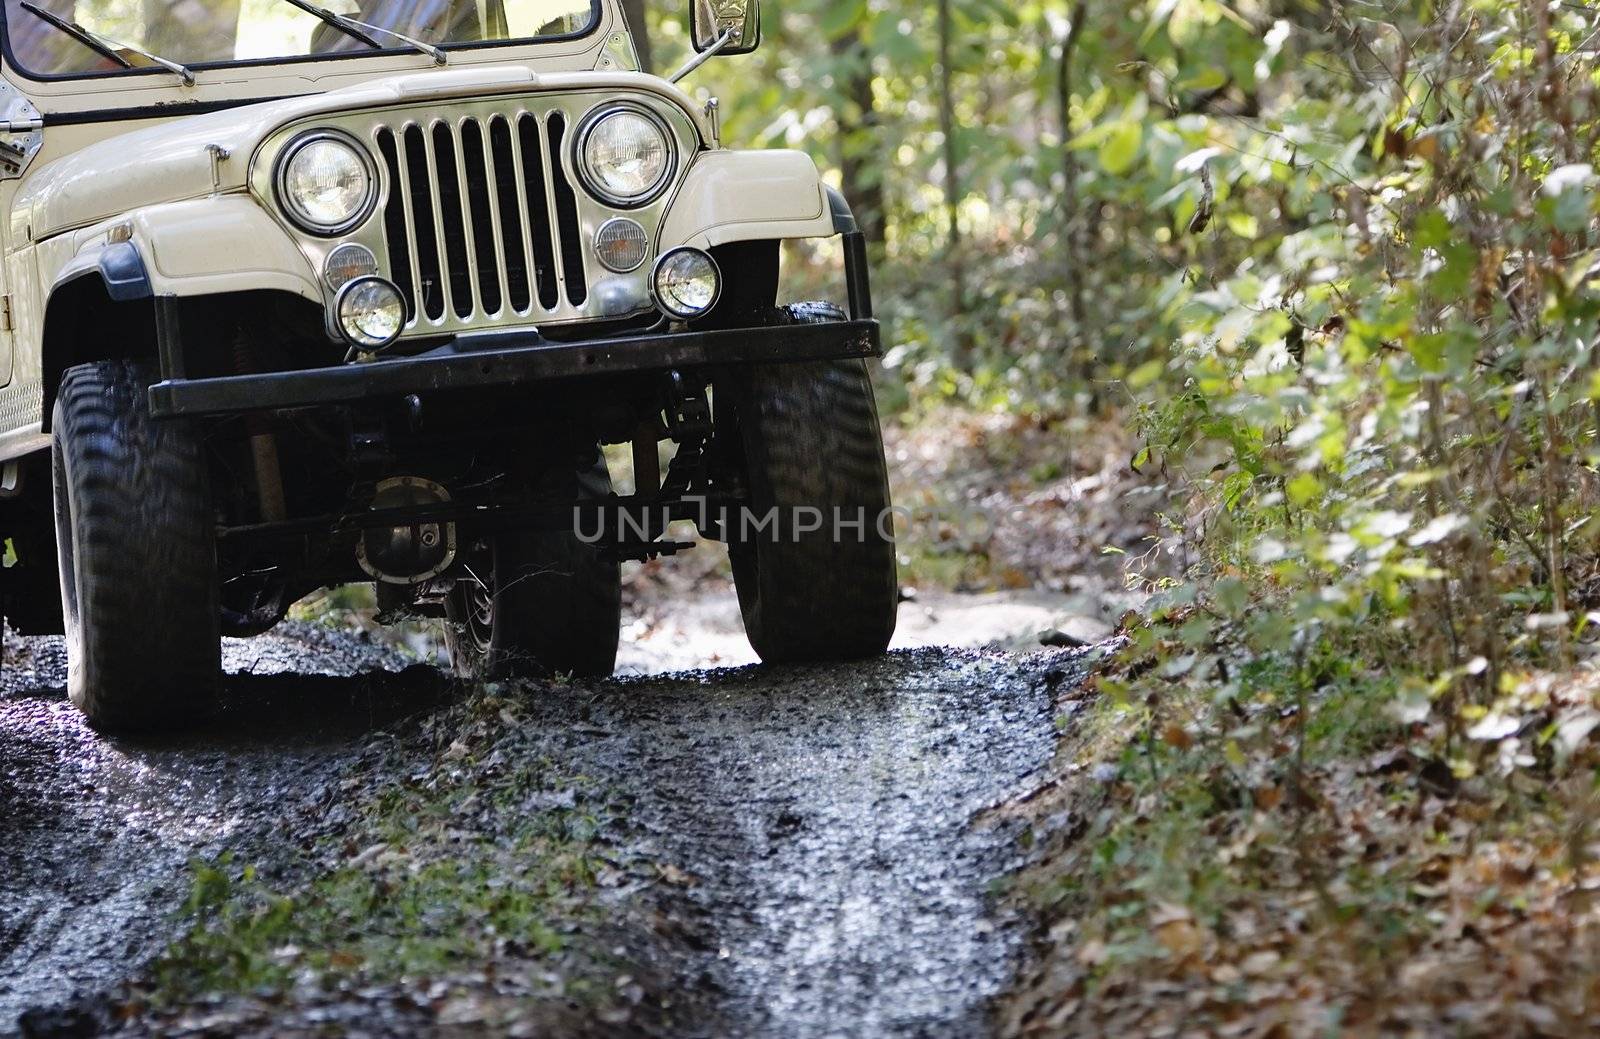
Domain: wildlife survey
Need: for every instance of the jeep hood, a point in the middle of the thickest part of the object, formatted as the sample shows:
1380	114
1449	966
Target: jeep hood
173	161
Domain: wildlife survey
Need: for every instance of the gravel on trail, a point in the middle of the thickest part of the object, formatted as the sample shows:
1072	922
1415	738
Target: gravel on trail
819	825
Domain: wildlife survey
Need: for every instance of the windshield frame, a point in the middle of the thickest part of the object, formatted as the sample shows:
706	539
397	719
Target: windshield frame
596	22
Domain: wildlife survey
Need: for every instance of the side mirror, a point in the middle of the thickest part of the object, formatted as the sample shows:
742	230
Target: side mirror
710	20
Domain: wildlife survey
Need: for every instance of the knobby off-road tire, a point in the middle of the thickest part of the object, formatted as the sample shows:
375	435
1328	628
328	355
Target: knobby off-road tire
548	604
137	553
806	437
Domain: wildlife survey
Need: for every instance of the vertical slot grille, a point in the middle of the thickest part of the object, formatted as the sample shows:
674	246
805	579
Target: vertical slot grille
481	218
538	198
424	220
511	215
566	216
485	233
401	256
448	181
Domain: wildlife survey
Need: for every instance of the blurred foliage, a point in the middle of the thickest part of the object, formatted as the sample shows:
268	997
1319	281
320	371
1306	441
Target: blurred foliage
1335	259
1072	123
1337	263
1379	406
857	85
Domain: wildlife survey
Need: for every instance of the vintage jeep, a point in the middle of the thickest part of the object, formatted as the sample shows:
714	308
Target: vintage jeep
296	298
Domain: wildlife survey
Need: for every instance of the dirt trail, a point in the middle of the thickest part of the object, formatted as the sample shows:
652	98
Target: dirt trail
706	629
824	816
821	818
96	832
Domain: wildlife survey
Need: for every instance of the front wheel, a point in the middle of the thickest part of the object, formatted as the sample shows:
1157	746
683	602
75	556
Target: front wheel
137	552
813	555
539	601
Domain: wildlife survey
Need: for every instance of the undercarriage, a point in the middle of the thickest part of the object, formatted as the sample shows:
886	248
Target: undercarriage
467	483
400	494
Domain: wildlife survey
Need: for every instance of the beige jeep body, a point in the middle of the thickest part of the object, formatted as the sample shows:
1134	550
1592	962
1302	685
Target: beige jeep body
181	173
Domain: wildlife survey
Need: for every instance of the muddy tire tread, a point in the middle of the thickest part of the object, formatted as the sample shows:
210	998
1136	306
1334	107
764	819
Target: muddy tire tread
561	615
144	552
810	436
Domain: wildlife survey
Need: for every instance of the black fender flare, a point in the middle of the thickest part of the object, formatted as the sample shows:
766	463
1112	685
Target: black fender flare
844	218
119	272
122	268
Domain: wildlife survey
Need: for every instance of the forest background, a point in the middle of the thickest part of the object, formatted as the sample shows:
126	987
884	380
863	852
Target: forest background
1323	275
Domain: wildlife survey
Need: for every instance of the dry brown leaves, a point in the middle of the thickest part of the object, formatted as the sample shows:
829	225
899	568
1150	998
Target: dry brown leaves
1394	899
1059	493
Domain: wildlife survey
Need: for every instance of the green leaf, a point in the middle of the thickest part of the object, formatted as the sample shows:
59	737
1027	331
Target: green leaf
1232	595
1304	489
1432	230
1207	79
1120	149
1234	488
1460	263
1146	374
1428	351
1244	225
839	18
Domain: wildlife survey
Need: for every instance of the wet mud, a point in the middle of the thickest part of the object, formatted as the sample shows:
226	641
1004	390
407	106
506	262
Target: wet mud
816	826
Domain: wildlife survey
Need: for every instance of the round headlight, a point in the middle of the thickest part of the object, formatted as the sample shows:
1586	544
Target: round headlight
326	183
371	313
625	156
688	283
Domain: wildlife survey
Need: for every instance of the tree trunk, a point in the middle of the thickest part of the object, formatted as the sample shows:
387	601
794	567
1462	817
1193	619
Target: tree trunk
633	11
860	160
1071	216
952	188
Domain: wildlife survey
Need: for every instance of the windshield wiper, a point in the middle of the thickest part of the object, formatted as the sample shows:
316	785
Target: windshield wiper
82	35
352	28
338	22
105	46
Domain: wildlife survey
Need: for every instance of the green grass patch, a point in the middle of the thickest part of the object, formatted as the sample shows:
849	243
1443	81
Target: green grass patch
478	860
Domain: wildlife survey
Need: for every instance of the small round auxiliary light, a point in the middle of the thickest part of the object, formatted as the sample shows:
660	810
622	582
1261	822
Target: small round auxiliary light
687	283
370	313
347	263
622	245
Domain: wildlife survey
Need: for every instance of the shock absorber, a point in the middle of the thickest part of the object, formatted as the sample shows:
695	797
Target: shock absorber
263	444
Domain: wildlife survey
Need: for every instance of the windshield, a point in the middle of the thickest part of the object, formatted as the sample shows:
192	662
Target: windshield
208	32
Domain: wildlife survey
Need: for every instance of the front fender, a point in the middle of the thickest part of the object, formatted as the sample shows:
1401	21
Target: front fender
202	247
746	196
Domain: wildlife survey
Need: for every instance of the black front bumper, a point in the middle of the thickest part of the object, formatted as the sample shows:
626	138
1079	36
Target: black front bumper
520	358
510	360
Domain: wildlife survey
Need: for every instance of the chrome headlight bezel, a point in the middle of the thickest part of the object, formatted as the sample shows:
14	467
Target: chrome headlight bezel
368	344
682	313
295	215
591	181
